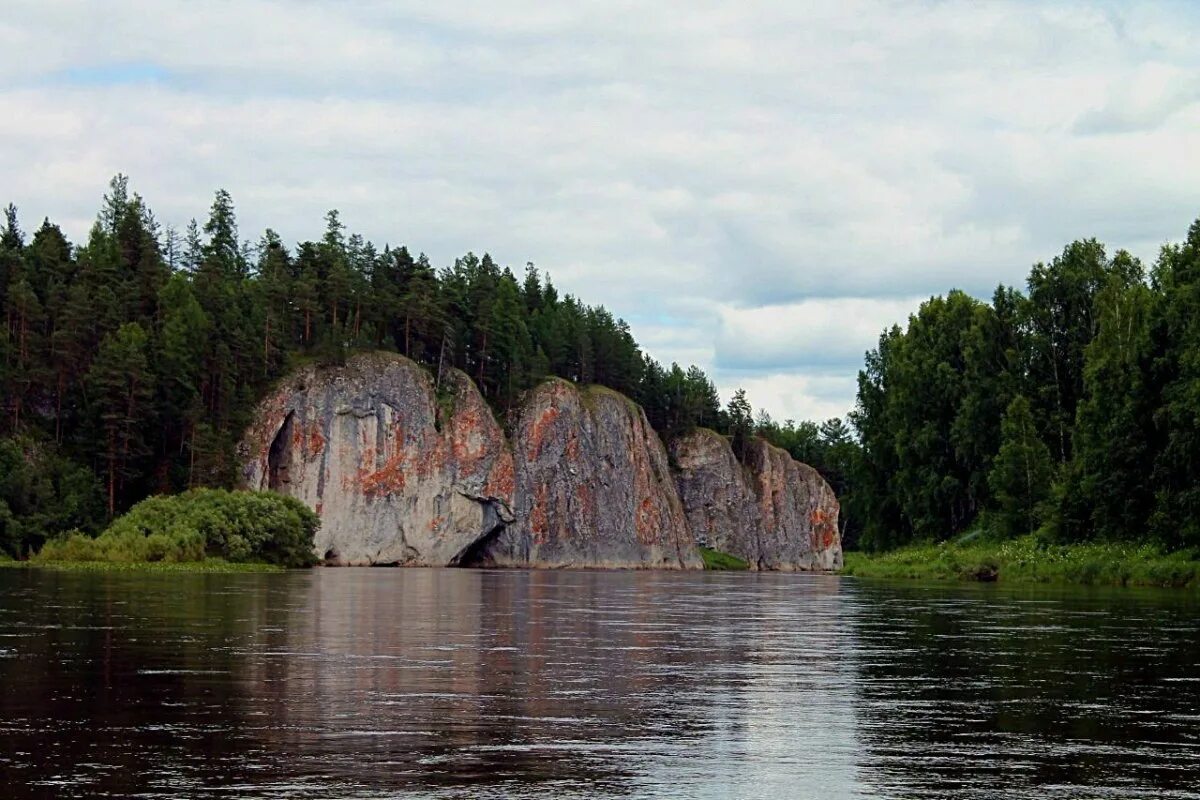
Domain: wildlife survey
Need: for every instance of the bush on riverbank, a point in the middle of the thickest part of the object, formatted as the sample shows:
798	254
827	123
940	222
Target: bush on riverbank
237	527
1029	559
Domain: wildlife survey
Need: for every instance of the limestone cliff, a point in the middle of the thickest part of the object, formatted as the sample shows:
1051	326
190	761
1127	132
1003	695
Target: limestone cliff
776	513
394	478
593	487
403	474
716	494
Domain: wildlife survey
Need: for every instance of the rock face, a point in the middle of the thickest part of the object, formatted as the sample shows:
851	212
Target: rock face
775	512
403	474
593	487
717	496
394	478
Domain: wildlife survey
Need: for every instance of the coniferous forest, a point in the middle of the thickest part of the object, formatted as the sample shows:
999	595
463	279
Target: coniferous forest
130	363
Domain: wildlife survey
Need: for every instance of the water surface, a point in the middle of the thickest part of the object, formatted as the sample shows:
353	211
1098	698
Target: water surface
363	683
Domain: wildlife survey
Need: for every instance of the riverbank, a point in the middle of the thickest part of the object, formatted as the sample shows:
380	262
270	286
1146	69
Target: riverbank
207	566
1027	560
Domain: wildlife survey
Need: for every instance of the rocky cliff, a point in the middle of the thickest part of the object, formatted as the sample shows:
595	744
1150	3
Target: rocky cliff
593	488
396	476
775	512
403	474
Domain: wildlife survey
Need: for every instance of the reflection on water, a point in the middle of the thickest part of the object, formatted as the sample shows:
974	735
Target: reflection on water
456	683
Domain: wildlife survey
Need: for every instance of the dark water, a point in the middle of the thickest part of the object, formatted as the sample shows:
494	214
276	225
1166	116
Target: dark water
443	683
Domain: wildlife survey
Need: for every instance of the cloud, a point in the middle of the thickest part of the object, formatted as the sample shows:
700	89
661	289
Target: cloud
1154	93
818	333
757	188
796	396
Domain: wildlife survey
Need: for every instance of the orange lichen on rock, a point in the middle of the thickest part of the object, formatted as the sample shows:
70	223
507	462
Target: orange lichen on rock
315	443
468	444
648	521
539	525
501	479
541	426
825	530
386	480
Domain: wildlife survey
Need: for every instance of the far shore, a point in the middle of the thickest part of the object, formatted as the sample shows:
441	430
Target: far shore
1027	560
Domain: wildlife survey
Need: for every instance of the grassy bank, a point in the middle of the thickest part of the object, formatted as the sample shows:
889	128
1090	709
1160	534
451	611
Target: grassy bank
1028	560
715	559
200	527
209	565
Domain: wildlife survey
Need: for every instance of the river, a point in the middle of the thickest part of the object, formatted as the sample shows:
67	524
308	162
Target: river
364	683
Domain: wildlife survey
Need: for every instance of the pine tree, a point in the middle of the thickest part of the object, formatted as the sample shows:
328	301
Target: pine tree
121	387
181	346
741	423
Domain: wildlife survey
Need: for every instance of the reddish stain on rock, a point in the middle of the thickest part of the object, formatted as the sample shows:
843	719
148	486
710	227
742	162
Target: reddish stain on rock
386	480
539	525
540	429
647	521
316	441
501	480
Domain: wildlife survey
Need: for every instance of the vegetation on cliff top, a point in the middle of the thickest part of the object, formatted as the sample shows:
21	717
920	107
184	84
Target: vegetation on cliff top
201	524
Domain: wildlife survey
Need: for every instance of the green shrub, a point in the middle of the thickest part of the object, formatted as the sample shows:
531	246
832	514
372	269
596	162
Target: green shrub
715	559
238	527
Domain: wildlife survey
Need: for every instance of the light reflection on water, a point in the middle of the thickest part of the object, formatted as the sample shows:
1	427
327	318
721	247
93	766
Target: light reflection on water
456	683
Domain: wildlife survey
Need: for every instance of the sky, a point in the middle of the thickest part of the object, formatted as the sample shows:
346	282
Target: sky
758	188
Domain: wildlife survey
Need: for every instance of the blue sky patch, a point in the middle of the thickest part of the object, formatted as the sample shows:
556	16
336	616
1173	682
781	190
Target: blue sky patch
112	74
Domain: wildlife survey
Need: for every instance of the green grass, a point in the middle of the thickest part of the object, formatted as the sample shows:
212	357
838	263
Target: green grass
715	559
1030	560
207	565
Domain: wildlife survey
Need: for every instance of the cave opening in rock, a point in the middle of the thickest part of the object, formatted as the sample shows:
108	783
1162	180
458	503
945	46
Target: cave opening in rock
478	554
279	457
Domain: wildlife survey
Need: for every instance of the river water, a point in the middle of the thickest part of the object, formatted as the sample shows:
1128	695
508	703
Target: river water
349	683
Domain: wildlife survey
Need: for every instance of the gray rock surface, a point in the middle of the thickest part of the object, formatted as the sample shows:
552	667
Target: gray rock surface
717	495
400	475
395	479
798	510
775	513
593	487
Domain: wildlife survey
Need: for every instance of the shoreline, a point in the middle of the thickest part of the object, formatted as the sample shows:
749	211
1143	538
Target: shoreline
1026	560
209	566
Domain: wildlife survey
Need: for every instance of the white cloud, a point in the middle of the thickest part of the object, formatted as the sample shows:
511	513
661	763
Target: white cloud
757	187
811	333
787	395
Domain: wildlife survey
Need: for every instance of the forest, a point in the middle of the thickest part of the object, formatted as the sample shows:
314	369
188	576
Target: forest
1068	410
130	363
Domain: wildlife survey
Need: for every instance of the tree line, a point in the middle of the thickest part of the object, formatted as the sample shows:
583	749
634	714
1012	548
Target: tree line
131	363
1071	409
